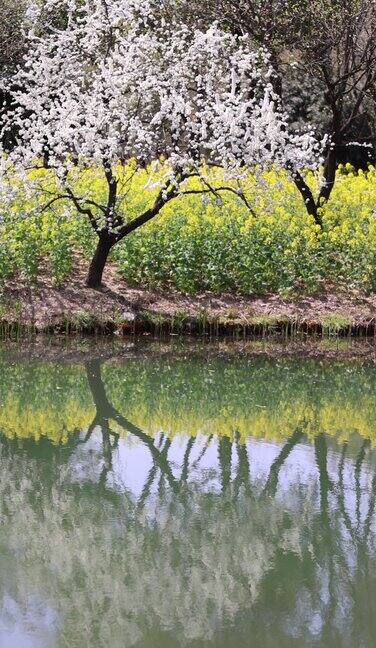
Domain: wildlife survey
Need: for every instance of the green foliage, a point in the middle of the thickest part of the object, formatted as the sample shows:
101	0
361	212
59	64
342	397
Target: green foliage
222	247
27	242
210	244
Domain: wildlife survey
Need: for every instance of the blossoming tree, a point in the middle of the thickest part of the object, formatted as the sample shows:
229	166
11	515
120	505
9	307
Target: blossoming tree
111	87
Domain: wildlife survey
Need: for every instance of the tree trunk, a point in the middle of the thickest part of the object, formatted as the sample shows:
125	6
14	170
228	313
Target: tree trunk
98	262
309	201
330	169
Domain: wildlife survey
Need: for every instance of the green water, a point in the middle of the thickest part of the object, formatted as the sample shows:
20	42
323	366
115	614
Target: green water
199	499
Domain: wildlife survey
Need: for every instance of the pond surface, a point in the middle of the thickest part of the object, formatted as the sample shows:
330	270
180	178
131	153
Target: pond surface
190	499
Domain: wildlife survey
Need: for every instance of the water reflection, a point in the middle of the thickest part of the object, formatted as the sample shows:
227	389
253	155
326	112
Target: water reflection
119	537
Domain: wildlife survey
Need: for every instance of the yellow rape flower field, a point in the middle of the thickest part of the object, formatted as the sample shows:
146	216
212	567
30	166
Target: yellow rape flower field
203	243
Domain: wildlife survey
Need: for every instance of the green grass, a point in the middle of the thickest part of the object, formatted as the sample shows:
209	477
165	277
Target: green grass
336	323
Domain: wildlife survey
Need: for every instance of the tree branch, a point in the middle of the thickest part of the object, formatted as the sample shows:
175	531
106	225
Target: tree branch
215	190
82	210
165	195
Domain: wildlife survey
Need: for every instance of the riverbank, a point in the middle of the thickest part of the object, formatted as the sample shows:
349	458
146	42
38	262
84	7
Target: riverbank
119	309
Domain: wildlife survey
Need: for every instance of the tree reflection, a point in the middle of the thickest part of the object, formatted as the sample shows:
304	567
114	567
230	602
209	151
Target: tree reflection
283	562
105	412
272	481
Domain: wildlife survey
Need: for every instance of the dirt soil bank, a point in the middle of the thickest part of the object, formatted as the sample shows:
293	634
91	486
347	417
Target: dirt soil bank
121	309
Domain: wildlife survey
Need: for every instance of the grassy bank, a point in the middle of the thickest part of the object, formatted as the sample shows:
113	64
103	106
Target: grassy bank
44	307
